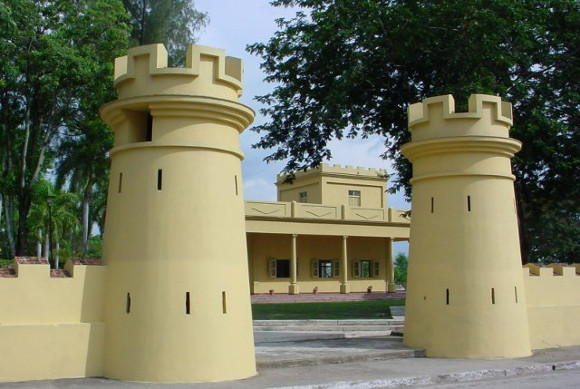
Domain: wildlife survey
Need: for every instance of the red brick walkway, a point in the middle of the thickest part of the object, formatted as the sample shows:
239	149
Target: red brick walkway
323	297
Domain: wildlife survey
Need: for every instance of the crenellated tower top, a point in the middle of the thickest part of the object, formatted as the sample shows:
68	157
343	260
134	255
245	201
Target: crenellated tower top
207	72
151	94
437	129
435	117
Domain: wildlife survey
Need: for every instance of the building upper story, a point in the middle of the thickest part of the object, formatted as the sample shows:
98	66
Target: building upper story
330	200
336	185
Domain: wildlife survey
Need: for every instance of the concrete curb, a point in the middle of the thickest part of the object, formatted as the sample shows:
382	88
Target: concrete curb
339	358
466	376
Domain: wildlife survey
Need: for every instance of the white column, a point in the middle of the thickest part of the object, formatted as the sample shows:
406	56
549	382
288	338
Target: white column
293	288
344	285
391	287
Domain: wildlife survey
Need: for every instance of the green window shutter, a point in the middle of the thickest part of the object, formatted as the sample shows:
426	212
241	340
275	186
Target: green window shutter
314	267
272	268
356	267
336	268
376	268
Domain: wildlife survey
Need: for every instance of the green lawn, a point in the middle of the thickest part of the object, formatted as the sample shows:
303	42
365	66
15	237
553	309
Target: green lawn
376	309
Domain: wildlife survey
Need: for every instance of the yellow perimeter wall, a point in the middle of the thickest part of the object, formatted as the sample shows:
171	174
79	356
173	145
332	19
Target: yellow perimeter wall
553	298
51	327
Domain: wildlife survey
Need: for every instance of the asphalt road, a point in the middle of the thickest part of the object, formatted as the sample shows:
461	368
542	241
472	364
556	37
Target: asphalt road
559	379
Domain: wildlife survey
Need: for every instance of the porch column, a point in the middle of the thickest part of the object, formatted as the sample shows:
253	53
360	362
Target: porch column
293	288
344	285
391	287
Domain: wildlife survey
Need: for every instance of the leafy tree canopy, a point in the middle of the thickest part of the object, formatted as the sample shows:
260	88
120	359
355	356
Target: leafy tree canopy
401	264
55	70
351	67
175	23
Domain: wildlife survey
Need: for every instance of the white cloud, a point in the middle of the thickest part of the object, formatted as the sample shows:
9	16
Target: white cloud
233	25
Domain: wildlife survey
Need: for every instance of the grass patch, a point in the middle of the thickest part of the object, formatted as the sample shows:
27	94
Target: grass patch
375	309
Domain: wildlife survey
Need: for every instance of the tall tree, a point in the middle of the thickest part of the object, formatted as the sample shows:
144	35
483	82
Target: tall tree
175	23
52	217
47	64
84	165
350	67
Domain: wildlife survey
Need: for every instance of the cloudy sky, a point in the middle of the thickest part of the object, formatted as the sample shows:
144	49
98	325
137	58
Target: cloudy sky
233	25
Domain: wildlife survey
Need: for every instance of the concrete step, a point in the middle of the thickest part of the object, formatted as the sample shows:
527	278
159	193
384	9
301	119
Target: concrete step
332	351
330	328
329	325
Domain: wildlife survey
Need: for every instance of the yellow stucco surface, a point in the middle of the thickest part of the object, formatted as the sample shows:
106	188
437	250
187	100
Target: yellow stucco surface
465	296
178	301
52	327
324	217
553	296
330	185
264	248
183	250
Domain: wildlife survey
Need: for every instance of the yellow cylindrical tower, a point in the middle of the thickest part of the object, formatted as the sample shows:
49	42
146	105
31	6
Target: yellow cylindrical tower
465	296
178	301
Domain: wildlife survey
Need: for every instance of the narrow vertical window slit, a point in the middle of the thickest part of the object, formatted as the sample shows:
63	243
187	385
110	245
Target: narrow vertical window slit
236	183
468	203
159	179
187	304
149	131
128	303
447	296
120	182
224	303
493	295
432	204
516	293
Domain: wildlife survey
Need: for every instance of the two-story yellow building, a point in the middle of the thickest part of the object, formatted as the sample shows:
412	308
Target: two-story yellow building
329	231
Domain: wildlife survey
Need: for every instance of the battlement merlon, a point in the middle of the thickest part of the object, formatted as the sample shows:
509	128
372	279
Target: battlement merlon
327	169
207	71
420	112
435	117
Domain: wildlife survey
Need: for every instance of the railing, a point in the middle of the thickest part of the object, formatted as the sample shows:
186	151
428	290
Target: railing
281	209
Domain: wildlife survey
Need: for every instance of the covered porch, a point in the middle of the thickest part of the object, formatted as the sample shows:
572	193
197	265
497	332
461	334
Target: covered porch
294	255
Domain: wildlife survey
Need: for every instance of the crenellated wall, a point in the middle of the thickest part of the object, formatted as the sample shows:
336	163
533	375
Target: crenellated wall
334	185
553	299
51	320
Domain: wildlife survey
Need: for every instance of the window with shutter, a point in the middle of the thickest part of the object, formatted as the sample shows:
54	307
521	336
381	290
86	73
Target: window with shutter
314	268
356	267
280	268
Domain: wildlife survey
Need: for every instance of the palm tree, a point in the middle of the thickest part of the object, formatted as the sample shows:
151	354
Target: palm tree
83	167
52	217
64	220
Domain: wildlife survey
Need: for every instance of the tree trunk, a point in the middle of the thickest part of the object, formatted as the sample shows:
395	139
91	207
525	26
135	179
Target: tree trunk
47	247
9	217
39	244
57	256
22	234
85	217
